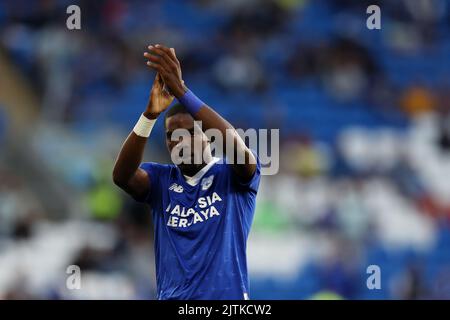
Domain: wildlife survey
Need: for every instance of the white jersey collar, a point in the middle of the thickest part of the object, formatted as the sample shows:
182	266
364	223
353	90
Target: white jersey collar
193	181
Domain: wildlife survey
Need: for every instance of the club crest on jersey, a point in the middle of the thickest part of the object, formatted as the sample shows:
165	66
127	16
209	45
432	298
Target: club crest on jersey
176	188
207	182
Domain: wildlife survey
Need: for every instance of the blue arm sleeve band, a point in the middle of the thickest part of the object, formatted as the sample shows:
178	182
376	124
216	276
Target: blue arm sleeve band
191	102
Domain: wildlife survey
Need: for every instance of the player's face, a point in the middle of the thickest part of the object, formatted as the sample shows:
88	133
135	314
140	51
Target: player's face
192	137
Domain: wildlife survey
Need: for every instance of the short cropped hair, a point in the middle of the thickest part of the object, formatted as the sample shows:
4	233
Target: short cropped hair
173	110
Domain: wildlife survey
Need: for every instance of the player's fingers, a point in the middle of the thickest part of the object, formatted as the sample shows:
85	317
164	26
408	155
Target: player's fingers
161	49
155	58
174	55
157	67
158	60
161	57
171	53
155	50
166	53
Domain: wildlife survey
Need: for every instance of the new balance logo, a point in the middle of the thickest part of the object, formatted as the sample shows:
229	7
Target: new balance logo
176	188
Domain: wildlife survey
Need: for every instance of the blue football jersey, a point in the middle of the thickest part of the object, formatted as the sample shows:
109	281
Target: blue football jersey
201	231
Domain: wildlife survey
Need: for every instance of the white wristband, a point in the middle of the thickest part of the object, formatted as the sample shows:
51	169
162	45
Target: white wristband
144	126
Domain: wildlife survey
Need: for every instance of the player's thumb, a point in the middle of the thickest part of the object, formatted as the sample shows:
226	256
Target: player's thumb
173	53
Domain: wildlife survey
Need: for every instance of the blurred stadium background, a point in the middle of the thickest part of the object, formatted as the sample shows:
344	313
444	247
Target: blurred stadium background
364	118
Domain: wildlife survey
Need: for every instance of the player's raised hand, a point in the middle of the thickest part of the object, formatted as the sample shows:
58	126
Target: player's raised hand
160	98
165	62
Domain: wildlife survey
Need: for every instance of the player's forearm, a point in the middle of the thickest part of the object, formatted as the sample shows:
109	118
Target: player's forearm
132	151
129	159
212	120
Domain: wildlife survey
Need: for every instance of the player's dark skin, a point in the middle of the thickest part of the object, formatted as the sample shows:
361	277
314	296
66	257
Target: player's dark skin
127	174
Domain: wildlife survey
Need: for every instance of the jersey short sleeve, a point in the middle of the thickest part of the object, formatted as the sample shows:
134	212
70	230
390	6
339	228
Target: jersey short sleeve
155	172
